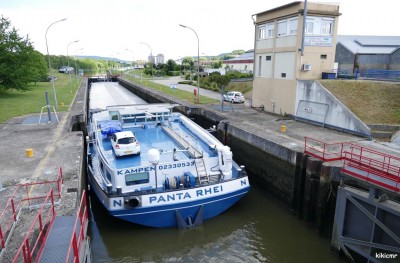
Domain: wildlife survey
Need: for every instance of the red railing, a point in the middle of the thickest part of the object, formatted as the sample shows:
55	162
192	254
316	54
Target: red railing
21	195
33	244
326	152
361	162
373	166
79	233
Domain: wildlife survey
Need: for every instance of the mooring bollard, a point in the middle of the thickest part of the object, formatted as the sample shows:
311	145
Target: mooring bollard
29	152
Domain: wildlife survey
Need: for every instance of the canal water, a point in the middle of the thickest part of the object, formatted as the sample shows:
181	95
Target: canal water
257	229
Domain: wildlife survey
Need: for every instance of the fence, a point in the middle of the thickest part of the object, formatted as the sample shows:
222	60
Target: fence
23	196
33	244
380	74
364	163
376	74
79	232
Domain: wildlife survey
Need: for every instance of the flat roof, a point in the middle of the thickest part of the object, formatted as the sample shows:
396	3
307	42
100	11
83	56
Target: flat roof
279	7
369	44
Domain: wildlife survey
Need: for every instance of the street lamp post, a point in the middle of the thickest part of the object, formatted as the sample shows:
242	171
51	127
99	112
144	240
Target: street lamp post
48	55
132	64
151	56
76	67
198	61
70	80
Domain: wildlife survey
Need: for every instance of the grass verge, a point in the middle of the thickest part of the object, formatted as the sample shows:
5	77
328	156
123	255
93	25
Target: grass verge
177	93
372	101
15	103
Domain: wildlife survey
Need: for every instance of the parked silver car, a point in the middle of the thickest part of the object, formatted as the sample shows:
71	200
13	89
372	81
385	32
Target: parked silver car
234	97
66	69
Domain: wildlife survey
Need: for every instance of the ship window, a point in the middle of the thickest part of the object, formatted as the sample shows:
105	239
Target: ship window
114	115
101	166
151	117
138	178
108	176
140	118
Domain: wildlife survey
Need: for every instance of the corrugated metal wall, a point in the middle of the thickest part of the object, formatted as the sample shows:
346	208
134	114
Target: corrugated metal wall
344	57
347	60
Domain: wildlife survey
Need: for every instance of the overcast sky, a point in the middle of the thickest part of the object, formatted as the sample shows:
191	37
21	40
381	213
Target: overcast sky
108	28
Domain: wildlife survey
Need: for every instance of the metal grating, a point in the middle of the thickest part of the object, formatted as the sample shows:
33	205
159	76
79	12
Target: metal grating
58	241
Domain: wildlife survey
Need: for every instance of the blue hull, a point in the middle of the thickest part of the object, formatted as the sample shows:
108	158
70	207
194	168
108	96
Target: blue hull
166	216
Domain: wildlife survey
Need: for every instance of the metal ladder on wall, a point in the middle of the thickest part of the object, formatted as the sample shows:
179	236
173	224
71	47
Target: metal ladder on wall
201	171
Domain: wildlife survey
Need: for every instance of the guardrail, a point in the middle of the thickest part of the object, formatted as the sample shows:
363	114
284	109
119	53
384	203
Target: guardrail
23	195
364	163
79	232
373	166
326	152
43	222
376	74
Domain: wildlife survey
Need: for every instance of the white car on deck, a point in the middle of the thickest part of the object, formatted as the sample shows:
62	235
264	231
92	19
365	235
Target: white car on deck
234	97
125	143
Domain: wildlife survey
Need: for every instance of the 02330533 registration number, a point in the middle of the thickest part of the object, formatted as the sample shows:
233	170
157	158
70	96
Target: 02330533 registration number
175	165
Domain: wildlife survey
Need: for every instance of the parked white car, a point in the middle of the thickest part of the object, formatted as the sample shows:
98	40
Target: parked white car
125	143
234	97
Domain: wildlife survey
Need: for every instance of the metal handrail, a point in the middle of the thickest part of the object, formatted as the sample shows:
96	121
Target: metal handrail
76	242
32	254
392	171
320	149
9	215
362	158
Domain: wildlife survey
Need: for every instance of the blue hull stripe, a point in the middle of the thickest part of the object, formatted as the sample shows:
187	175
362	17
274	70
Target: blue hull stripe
182	206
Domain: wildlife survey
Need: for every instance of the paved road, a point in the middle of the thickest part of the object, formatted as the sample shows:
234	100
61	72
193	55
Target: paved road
190	88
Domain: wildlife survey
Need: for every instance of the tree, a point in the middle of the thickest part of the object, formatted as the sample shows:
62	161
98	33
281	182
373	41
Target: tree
238	52
217	64
216	77
20	64
38	65
188	61
171	65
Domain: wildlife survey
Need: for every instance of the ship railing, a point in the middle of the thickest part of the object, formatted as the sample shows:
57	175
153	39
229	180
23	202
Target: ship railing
79	235
33	243
24	196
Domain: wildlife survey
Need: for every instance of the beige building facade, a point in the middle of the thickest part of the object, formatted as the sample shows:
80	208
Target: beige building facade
282	57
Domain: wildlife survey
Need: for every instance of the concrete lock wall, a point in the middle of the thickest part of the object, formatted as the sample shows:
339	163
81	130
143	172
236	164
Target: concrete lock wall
316	104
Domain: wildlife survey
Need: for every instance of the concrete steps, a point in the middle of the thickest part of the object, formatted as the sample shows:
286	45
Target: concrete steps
383	132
